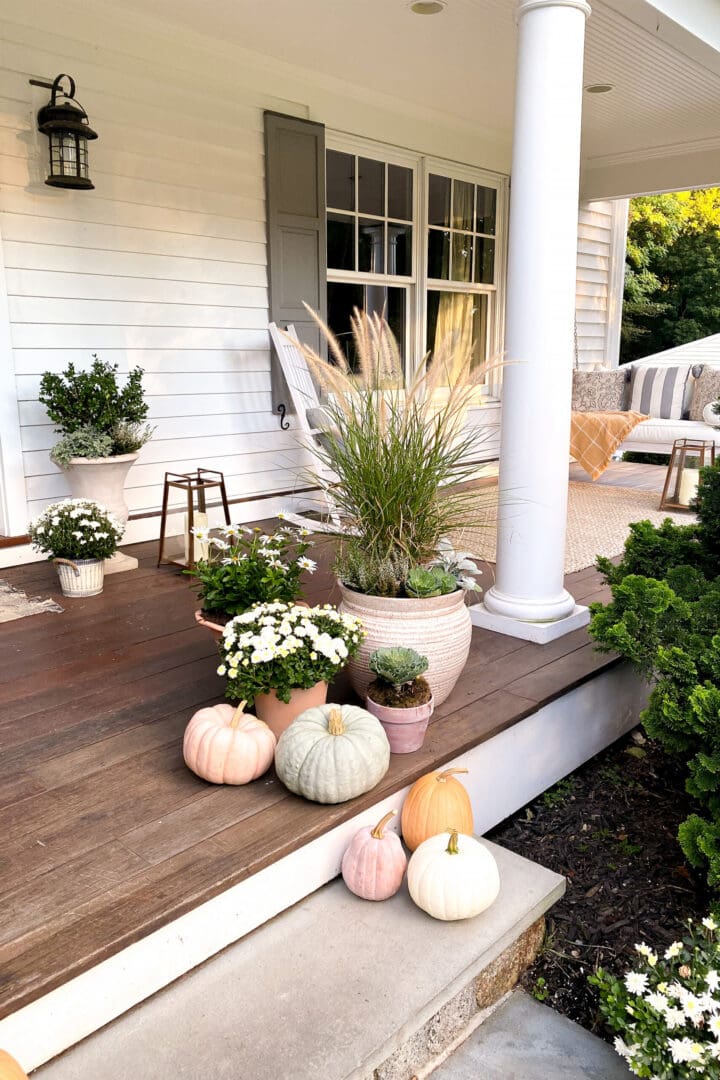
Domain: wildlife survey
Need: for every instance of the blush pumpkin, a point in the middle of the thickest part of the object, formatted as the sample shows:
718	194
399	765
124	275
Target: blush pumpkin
374	863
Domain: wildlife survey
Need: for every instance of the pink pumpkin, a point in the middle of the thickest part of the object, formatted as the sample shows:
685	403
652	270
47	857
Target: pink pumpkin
374	864
228	746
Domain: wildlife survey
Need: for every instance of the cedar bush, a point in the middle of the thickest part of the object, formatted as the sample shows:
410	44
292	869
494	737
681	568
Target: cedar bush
664	618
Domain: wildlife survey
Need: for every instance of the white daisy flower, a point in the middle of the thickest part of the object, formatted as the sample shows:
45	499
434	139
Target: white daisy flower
636	982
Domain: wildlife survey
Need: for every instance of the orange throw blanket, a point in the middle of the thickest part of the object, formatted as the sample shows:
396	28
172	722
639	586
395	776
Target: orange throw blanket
595	436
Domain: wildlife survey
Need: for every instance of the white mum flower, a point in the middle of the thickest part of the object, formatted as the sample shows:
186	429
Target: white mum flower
222	670
710	923
77	534
673	950
674	1018
636	982
691	1007
657	1001
685	1050
643	949
712	980
714	1026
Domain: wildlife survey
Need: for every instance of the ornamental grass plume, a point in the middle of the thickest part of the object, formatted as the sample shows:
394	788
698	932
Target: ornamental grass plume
399	450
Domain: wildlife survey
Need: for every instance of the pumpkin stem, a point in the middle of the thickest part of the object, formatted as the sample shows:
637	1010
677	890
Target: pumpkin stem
237	714
442	776
335	722
377	833
452	848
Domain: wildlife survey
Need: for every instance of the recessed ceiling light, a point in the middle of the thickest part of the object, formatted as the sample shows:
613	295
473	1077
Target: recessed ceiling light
427	7
599	88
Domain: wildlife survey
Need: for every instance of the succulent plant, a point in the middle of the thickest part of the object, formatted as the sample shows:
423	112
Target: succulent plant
433	582
397	665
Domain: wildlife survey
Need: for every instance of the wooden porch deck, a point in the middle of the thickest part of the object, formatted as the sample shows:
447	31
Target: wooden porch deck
105	836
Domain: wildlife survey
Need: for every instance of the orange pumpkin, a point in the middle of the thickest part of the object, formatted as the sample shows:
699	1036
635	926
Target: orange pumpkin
9	1068
228	746
436	803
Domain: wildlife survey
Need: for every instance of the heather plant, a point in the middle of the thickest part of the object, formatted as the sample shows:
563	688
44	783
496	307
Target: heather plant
398	451
665	620
665	1012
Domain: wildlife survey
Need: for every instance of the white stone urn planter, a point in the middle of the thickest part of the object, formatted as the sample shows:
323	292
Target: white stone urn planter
710	416
101	479
438	627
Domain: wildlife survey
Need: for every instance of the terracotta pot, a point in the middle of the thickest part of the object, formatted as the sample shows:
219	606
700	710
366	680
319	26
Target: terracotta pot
405	728
101	479
216	629
278	716
438	627
80	577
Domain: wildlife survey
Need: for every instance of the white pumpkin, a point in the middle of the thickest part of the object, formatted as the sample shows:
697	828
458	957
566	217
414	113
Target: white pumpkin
453	876
332	753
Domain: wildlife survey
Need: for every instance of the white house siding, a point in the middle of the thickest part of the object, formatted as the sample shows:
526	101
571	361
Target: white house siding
703	351
164	264
602	228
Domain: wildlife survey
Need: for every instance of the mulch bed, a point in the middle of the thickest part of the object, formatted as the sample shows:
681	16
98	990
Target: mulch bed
611	829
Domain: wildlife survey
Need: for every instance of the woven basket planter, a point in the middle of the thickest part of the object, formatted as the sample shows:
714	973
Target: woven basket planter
80	577
438	627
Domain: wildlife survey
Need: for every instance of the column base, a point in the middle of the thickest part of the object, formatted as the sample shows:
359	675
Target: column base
539	632
119	562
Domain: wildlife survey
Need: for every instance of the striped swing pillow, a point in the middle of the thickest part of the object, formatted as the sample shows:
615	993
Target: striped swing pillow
659	391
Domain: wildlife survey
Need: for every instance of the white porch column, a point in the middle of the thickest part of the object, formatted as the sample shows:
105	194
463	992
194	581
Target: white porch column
528	598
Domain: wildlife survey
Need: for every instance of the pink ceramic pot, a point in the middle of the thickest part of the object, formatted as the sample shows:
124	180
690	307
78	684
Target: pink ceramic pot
278	716
405	728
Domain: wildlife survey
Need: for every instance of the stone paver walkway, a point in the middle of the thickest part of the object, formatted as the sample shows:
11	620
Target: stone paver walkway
524	1040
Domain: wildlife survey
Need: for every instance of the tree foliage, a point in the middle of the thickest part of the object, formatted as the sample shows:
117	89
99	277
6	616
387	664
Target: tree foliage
672	272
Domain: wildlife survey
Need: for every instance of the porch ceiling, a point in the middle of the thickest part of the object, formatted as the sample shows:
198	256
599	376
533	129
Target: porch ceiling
666	95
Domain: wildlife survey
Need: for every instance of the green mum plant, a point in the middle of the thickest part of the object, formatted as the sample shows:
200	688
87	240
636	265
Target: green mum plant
90	407
247	566
283	647
666	1011
76	529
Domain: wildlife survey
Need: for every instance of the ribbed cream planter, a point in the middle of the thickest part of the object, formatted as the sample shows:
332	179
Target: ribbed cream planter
439	628
80	577
101	479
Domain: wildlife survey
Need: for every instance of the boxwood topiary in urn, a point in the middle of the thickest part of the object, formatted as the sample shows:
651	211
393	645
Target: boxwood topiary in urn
102	428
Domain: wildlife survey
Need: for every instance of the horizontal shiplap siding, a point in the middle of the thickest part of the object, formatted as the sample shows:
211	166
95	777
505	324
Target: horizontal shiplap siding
596	304
162	266
703	351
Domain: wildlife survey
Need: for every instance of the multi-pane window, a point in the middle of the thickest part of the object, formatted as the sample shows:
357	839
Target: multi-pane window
428	277
370	215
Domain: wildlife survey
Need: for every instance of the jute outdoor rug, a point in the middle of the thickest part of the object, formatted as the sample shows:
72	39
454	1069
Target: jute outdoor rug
599	520
15	604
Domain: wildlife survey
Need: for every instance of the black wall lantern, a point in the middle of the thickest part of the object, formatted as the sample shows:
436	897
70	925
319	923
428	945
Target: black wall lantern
66	125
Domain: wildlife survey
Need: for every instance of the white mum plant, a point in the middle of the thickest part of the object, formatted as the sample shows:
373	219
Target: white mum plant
76	529
666	1011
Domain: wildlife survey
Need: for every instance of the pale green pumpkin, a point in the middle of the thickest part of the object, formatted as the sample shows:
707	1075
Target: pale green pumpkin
332	753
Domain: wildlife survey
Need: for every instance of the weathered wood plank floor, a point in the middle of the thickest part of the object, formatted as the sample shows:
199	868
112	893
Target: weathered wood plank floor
104	834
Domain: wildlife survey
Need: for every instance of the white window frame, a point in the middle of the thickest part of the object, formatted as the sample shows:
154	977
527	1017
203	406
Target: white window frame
418	282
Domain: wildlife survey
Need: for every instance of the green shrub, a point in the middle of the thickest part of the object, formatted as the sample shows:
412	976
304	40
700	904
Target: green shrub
664	618
93	401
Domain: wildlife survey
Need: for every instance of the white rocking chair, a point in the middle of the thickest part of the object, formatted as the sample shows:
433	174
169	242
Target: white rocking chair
304	397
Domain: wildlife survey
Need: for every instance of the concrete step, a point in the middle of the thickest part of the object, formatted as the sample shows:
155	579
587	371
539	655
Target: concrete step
524	1040
335	988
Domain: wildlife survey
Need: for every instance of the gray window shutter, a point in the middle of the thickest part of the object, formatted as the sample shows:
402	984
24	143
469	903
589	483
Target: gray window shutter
297	255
